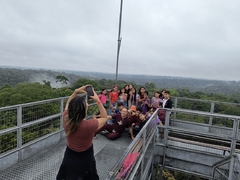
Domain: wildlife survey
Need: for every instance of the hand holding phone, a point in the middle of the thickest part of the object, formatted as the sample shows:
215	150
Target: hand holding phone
89	91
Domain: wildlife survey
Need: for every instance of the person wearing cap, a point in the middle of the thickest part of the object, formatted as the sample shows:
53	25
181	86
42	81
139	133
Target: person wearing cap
132	109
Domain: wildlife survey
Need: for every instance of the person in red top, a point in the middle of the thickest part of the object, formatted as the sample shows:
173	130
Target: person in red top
113	97
79	161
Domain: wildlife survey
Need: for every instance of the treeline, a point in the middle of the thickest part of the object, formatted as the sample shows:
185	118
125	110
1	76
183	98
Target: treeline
26	91
13	76
32	92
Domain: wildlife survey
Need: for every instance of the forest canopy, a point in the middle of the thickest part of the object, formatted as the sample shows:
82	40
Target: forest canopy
19	86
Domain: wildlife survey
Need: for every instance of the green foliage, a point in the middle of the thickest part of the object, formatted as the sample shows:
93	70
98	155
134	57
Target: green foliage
92	110
174	175
167	175
5	86
62	79
29	92
29	136
47	83
150	87
194	105
8	142
5	97
62	92
8	119
192	118
174	92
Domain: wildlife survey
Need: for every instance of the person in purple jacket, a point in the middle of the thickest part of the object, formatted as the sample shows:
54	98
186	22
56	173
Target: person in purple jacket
146	103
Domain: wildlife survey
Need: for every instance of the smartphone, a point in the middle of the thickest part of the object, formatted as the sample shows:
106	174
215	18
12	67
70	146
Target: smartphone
89	91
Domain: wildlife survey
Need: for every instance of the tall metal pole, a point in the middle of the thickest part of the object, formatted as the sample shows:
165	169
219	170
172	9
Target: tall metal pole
119	40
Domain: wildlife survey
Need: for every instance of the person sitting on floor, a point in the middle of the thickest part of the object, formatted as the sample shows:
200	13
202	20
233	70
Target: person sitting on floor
120	106
114	131
161	114
150	113
135	120
143	121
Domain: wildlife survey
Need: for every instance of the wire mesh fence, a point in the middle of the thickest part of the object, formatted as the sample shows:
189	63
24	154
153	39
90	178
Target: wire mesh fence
37	111
8	118
21	124
8	142
39	130
227	169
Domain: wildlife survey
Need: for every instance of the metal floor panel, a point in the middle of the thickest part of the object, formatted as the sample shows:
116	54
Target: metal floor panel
45	164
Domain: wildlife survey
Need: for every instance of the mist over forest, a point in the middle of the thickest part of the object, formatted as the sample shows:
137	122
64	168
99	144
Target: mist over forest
15	75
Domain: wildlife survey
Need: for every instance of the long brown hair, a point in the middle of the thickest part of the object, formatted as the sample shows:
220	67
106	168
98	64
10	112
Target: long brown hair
76	113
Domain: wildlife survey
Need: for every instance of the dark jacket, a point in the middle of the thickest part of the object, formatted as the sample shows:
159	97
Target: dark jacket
168	104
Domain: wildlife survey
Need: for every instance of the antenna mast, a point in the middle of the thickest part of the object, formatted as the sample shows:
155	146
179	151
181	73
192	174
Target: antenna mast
119	41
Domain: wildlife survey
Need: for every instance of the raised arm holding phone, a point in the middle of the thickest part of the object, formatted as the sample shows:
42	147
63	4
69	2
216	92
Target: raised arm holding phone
79	161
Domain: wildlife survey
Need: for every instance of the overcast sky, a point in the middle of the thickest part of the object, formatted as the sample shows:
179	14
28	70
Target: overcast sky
184	38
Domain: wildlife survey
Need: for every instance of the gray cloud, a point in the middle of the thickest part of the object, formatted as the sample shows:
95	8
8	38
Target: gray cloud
188	38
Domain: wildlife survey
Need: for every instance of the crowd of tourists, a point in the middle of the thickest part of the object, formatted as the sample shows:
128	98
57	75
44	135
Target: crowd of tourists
129	108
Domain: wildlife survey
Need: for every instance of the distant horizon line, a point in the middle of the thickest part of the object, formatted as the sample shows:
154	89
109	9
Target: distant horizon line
179	77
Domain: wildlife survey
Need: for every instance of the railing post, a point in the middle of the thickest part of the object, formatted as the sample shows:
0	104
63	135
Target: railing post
211	118
230	175
143	150
165	138
234	136
19	132
175	106
61	117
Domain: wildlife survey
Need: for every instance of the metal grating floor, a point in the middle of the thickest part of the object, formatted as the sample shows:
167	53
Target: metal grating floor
45	164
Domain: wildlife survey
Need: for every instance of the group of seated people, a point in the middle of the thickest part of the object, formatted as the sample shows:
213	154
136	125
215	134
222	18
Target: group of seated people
132	110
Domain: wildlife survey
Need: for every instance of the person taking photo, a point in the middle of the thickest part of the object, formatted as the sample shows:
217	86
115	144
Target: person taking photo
78	161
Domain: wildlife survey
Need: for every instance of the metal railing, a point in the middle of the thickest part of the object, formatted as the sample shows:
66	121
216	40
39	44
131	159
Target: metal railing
138	168
227	169
26	124
202	129
199	139
173	131
206	105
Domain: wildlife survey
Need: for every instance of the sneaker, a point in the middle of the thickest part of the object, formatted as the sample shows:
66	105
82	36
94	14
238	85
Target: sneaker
104	132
